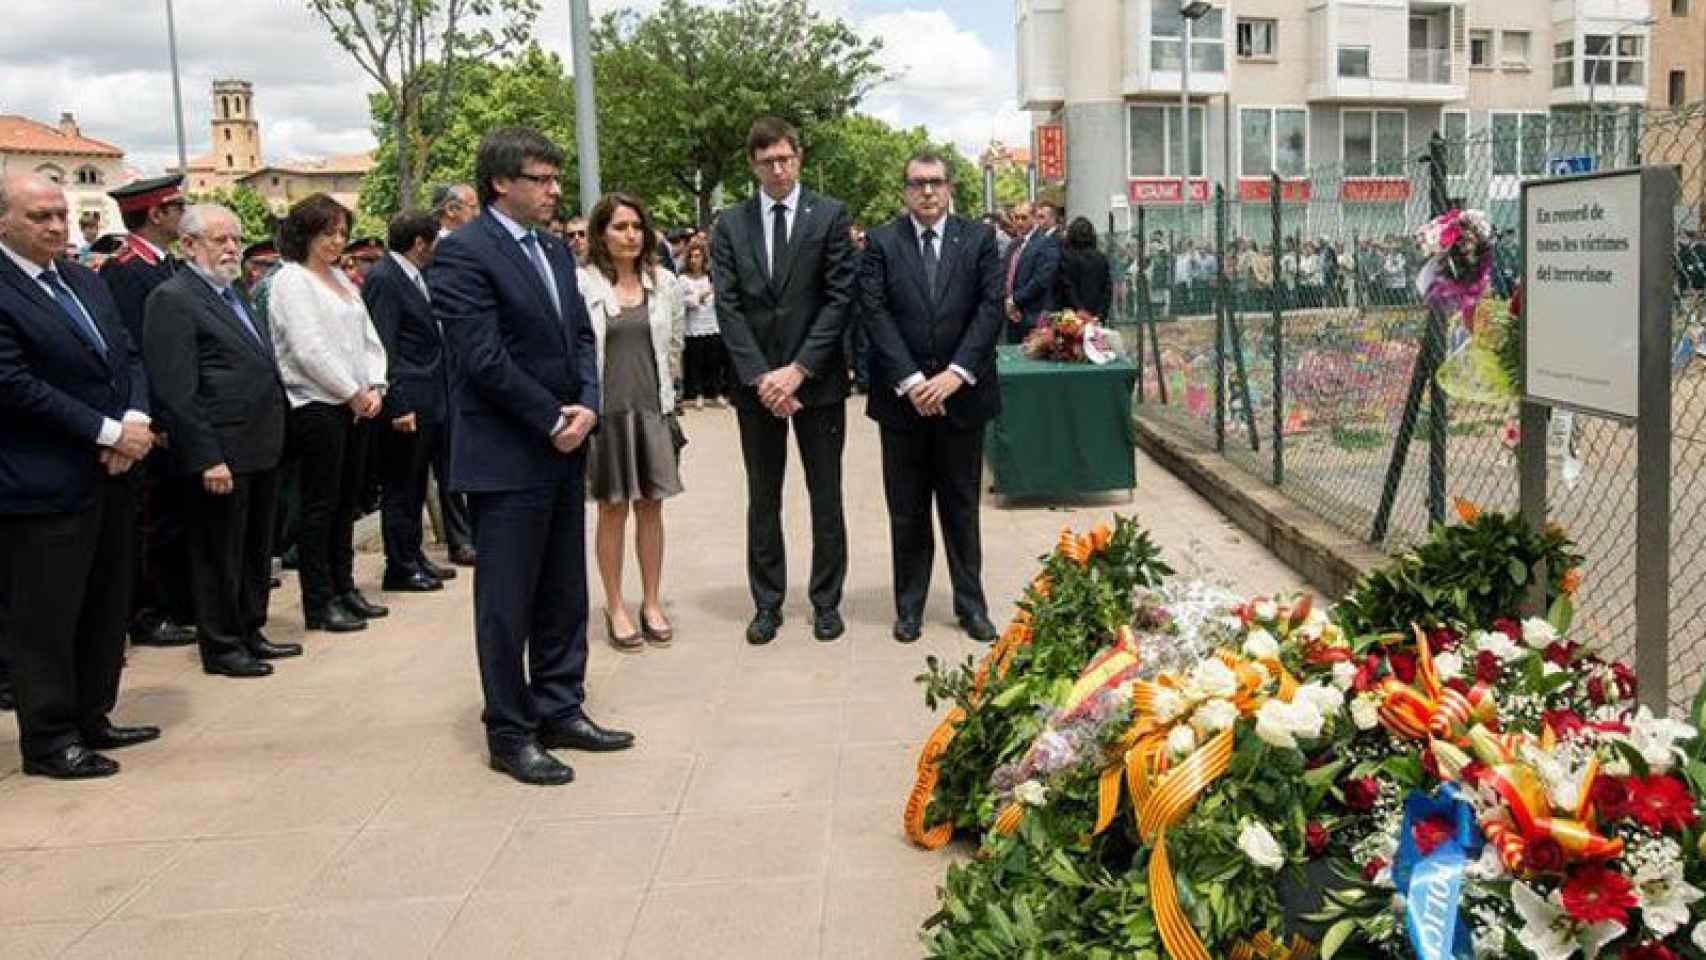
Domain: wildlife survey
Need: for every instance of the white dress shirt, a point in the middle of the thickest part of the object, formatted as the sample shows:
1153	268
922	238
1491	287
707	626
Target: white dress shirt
940	226
518	231
411	271
327	348
768	204
110	429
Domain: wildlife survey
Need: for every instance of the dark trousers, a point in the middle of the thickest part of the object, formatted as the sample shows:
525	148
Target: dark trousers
530	607
161	567
702	363
942	465
856	341
231	561
287	521
458	529
66	578
407	457
1016	331
331	452
821	434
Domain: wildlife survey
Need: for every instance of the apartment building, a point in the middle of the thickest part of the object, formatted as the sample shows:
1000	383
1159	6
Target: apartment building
1352	86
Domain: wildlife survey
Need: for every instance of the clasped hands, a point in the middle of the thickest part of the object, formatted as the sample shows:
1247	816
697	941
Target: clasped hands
930	398
577	423
776	390
135	439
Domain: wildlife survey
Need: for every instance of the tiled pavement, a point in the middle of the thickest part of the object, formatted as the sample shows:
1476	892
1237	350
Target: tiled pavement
342	808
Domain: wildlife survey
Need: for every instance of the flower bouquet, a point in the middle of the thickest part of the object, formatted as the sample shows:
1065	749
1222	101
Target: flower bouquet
1071	336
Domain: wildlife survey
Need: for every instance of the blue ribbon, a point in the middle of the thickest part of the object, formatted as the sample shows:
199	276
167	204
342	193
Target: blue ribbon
1433	885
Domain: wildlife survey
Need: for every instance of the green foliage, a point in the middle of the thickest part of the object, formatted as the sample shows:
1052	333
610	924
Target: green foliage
1070	624
1465	575
862	160
251	208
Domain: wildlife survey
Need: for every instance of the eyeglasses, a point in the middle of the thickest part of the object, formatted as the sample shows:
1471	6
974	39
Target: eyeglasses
784	161
926	183
541	179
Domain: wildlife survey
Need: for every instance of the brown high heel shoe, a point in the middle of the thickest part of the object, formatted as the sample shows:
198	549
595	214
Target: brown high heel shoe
632	643
656	636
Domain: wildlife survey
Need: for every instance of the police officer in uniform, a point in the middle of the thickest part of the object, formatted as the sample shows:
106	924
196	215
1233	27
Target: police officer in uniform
160	608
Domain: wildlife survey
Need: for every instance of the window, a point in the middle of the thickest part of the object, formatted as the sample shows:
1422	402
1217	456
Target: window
1374	142
275	181
1678	87
51	172
1679	8
1601	61
227	134
1353	62
1256	38
1520	143
1152	135
1166	31
1480	48
230	162
1563	63
1513	50
1273	140
89	176
1630	65
1454	127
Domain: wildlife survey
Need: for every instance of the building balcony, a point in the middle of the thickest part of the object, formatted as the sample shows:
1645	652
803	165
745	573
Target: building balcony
1040	49
1358	73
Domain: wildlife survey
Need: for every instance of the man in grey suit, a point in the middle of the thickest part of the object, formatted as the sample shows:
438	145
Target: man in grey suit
782	267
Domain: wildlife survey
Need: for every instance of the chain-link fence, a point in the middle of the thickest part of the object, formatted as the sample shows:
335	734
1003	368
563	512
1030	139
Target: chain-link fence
1284	327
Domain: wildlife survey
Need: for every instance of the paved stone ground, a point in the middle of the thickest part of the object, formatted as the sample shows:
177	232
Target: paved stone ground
342	808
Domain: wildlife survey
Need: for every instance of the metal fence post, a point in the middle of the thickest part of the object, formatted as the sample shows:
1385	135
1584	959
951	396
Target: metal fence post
1438	202
1222	311
1139	289
1660	187
1276	340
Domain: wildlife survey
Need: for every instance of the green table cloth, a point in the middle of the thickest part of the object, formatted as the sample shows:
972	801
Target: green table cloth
1065	428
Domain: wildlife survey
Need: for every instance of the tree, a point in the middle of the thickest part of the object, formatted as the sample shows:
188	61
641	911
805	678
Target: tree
253	214
861	160
678	88
418	51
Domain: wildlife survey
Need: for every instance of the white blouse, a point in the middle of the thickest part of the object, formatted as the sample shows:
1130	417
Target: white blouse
664	313
701	317
328	350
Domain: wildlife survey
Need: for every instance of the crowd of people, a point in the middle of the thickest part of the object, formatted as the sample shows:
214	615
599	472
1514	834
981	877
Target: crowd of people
199	407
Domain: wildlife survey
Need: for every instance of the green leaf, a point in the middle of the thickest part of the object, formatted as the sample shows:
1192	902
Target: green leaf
1518	571
1321	776
1562	614
1336	936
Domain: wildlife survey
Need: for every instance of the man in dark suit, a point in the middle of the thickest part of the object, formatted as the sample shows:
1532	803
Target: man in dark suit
455	205
1033	265
782	266
73	420
413	417
523	399
930	287
210	359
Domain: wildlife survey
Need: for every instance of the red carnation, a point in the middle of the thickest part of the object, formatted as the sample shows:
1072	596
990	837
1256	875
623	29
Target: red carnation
1442	640
1560	652
1315	838
1595	894
1660	802
1432	832
1372	869
1403	664
1487	667
1543	855
1459	684
1610	797
1510	628
1650	951
1626	684
1361	793
1596	689
1366	674
1565	723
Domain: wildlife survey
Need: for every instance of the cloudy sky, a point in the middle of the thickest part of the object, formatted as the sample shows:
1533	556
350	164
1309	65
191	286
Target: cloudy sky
106	61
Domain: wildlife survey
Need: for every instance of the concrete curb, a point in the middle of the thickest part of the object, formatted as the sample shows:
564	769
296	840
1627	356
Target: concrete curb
1323	555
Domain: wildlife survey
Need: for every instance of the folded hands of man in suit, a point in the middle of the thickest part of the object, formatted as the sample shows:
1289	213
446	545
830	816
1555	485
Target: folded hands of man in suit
776	390
930	398
578	422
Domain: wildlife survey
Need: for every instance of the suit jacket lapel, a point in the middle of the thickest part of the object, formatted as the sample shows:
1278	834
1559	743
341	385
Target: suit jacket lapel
228	318
802	217
912	259
508	247
948	250
755	249
33	291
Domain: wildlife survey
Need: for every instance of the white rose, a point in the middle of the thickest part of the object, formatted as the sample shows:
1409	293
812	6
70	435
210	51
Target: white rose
1168	704
1317	616
1344	674
1261	645
1538	633
1448	665
1214	678
1266	610
1655	738
1280	724
1327	700
1260	846
1182	742
1365	713
1698	936
1497	642
1214	716
1031	793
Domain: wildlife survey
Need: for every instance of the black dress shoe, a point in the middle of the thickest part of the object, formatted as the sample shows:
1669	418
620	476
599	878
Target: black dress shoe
411	581
827	624
261	648
334	619
763	627
74	762
362	607
908	629
434	570
462	556
582	734
164	634
978	627
111	737
531	765
240	664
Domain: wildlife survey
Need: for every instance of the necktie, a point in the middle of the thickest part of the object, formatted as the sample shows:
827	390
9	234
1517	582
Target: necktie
778	237
229	295
531	242
931	260
84	323
1013	265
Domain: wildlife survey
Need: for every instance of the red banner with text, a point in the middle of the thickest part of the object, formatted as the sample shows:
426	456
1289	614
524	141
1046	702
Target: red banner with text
1051	151
1164	190
1260	189
1376	189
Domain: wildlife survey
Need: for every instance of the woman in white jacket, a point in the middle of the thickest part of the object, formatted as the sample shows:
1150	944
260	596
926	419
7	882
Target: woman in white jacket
633	464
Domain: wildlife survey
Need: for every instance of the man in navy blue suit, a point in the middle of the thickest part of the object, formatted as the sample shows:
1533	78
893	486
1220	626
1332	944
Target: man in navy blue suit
73	421
1033	263
523	399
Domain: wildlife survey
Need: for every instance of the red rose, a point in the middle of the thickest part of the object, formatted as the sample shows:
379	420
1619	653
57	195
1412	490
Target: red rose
1596	689
1650	951
1660	802
1315	839
1367	674
1544	855
1626	684
1459	684
1560	652
1372	869
1595	894
1487	667
1361	793
1403	664
1565	723
1610	797
1510	628
1433	832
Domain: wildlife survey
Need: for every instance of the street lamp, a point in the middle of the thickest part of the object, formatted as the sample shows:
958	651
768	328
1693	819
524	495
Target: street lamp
1191	11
